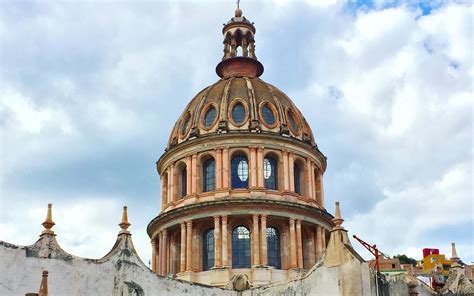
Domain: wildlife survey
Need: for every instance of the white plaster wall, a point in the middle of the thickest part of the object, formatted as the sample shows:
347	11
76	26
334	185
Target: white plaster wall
20	274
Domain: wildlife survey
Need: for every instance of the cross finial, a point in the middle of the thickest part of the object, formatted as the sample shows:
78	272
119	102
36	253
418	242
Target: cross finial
238	4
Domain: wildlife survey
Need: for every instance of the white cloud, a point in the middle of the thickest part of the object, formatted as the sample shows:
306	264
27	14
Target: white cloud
98	81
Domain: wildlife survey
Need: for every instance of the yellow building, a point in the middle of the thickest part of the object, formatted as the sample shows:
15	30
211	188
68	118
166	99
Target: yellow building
431	262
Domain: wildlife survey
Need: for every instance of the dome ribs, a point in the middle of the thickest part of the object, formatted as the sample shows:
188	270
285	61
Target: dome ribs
223	125
254	121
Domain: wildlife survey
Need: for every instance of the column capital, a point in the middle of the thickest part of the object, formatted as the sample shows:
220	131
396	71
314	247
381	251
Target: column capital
194	156
153	242
292	221
217	148
284	151
260	148
264	216
165	232
217	217
255	216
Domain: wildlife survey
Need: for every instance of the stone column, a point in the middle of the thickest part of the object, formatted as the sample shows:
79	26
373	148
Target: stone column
189	245
321	190
308	180
255	238
263	240
162	197
286	183
225	167
171	189
194	174
218	172
225	256
160	253
253	167
217	241
260	167
299	243
291	175
153	255
293	262
189	175
182	259
323	238
319	242
165	252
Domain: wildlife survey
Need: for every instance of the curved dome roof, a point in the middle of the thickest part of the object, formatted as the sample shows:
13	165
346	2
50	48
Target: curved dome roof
240	104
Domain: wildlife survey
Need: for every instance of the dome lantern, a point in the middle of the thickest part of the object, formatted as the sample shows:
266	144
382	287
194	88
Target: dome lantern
239	48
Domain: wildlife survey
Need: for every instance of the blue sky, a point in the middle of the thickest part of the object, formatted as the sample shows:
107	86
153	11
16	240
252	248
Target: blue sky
90	92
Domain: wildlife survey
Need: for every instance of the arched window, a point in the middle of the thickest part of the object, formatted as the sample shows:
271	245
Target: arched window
208	250
273	245
209	181
240	247
184	182
270	173
296	177
240	172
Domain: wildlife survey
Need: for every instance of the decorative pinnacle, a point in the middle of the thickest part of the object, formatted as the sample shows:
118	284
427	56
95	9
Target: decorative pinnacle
454	254
124	224
48	222
337	217
43	290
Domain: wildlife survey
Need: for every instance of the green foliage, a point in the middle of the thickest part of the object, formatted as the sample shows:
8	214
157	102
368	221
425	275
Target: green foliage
404	259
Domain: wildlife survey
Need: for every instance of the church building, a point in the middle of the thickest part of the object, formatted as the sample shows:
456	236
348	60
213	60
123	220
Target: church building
241	179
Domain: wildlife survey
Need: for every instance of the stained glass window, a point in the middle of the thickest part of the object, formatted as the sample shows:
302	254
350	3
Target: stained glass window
208	249
240	172
209	175
240	247
210	117
270	173
268	115
273	245
238	113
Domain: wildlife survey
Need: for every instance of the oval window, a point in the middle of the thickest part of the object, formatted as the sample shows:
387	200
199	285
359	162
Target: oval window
238	113
243	170
209	117
185	125
268	115
291	119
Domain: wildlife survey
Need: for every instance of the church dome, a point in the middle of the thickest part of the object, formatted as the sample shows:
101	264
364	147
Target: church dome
240	104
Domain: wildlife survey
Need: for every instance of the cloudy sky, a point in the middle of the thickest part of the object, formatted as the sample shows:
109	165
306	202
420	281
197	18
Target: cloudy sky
90	92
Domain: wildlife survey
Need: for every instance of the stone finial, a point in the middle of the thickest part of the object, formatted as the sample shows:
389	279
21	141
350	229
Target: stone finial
124	224
454	254
43	290
48	222
337	220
